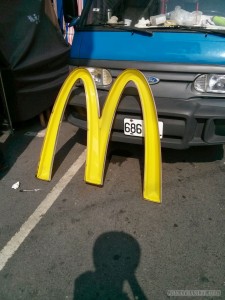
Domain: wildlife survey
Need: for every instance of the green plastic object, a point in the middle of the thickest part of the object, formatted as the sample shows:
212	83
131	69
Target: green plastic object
219	21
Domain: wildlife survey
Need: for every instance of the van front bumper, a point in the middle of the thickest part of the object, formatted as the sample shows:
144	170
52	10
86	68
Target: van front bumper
186	123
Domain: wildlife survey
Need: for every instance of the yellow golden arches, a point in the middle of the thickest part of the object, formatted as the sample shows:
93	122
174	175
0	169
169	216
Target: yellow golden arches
99	128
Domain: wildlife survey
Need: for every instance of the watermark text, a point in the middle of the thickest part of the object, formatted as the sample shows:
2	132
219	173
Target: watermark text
194	293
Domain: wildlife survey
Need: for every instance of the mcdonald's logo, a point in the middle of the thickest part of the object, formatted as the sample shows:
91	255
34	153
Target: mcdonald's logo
99	126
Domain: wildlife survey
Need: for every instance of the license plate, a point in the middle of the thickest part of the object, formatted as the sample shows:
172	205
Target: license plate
135	127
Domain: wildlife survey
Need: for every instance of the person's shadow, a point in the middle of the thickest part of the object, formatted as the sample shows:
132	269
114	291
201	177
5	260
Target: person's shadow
116	256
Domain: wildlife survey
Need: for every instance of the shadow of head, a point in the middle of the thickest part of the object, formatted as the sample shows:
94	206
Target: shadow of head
116	254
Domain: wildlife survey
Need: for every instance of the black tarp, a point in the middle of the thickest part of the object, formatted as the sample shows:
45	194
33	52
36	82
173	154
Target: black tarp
33	56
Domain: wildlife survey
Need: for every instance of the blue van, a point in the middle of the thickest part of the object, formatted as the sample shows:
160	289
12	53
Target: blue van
179	45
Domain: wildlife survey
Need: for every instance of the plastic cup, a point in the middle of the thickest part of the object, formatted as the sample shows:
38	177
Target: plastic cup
127	22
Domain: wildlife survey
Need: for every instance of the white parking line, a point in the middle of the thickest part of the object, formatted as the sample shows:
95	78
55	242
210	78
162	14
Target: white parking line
11	247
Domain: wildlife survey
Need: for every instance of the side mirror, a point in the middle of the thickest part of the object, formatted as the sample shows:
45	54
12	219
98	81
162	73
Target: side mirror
70	10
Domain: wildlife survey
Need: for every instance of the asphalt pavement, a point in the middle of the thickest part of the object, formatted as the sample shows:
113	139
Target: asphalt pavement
66	239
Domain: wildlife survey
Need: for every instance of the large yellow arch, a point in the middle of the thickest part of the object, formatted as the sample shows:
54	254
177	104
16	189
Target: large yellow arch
44	170
99	128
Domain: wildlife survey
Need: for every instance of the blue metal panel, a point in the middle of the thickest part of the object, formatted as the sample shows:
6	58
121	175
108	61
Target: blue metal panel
167	47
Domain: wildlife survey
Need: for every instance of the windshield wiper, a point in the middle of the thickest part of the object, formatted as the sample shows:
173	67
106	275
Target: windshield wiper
194	29
121	26
142	30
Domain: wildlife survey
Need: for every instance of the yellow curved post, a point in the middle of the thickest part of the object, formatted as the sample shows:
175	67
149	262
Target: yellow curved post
44	171
99	133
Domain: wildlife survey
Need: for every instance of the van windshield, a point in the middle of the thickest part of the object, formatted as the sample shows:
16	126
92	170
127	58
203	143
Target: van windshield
155	13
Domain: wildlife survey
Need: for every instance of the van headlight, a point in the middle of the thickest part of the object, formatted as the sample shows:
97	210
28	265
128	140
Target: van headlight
210	83
101	77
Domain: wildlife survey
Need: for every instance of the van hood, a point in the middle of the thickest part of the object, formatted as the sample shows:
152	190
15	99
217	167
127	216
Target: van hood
167	47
